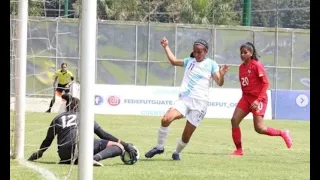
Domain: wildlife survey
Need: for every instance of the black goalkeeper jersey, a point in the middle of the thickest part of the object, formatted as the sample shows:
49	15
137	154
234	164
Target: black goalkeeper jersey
65	126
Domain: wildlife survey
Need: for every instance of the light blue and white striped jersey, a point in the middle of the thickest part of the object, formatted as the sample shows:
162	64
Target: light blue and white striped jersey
197	76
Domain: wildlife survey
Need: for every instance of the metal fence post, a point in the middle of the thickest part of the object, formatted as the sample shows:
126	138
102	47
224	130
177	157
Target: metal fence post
276	60
214	48
148	55
175	54
57	43
136	58
79	56
291	62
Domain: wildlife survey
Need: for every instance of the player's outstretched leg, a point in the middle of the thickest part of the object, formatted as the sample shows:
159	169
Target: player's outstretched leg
237	117
261	129
183	142
171	115
103	151
96	163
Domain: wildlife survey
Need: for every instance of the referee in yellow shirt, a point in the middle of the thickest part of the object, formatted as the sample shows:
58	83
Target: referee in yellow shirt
65	80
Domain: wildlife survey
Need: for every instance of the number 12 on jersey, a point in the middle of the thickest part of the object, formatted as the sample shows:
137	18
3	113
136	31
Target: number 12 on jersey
244	81
68	120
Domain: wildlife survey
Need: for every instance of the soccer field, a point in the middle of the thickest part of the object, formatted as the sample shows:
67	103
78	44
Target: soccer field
204	158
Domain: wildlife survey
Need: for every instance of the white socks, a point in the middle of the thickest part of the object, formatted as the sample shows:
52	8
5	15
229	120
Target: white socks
180	146
162	134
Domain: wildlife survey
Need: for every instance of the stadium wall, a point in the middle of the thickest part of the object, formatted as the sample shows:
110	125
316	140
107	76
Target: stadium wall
155	100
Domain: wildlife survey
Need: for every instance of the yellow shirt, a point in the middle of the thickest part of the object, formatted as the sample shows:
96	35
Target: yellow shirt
63	78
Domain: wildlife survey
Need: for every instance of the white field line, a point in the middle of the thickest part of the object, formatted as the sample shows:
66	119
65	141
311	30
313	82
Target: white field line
44	172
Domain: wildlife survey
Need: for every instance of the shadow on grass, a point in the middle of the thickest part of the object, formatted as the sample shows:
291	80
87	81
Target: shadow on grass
46	162
146	160
208	153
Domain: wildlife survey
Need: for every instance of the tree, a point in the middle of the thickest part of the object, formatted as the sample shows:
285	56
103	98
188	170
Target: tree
218	12
291	14
295	14
263	13
35	8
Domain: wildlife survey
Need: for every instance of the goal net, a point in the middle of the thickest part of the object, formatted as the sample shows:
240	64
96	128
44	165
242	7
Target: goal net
53	38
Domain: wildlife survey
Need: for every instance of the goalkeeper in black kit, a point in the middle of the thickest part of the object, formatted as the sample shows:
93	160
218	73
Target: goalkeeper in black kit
65	126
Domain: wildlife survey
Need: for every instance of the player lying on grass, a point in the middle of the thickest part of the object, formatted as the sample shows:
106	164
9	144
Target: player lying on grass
193	96
254	86
65	126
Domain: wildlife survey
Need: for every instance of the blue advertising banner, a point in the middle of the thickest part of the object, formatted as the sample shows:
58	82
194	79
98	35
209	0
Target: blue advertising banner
290	104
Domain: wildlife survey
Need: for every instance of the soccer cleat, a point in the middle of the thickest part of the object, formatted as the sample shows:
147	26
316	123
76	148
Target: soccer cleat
287	138
96	163
153	152
48	111
176	156
237	152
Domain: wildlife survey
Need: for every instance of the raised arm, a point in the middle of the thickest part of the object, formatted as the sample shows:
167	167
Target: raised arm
172	59
218	74
218	78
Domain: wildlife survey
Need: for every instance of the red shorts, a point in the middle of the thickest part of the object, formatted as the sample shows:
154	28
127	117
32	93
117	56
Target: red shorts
246	101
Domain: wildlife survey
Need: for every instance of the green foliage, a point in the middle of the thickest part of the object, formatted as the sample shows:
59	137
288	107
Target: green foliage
291	14
35	8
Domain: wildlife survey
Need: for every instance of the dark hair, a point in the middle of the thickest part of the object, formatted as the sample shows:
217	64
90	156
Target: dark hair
72	104
200	42
64	64
250	46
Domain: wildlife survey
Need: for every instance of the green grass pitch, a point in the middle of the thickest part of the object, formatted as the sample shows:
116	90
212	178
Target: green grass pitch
204	158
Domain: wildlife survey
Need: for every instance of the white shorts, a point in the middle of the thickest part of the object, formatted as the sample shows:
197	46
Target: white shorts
192	109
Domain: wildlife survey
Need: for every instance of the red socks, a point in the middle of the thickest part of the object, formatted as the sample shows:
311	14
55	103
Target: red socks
236	136
273	132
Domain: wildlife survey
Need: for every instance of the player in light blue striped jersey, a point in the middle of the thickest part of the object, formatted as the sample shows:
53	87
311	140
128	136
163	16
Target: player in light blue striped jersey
193	96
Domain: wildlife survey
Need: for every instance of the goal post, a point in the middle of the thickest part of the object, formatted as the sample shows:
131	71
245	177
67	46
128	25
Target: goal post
20	80
87	79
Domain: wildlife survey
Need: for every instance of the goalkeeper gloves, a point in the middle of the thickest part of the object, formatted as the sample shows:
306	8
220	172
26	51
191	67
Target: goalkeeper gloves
130	149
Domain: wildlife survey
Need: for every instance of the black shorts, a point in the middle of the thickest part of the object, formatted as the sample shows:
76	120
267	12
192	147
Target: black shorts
62	87
66	153
99	145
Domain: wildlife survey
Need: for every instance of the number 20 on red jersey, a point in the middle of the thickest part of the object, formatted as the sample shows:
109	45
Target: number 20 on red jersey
244	81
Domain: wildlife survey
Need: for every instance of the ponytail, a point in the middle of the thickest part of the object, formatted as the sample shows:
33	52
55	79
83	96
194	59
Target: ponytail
254	51
191	55
250	46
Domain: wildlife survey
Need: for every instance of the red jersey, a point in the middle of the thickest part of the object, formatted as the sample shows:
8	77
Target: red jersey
253	79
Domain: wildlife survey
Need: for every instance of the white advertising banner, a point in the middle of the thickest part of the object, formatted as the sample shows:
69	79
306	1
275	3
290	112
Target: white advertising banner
155	100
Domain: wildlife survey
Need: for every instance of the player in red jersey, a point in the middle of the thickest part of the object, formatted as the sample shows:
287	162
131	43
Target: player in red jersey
254	86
